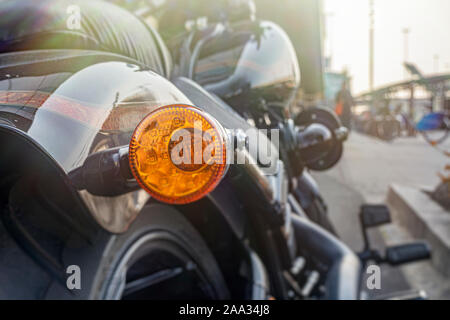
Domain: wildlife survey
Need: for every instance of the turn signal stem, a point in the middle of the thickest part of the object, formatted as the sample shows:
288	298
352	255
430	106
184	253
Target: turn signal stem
105	173
177	153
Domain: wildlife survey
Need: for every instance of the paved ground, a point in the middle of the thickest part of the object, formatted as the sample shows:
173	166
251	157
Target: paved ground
364	174
370	165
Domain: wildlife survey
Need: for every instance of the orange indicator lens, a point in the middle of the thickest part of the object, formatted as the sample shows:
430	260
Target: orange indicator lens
178	154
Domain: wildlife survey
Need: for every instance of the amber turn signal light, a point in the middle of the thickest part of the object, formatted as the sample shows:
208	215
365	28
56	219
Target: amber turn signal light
178	154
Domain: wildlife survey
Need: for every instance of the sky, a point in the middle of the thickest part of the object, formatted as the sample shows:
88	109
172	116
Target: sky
347	38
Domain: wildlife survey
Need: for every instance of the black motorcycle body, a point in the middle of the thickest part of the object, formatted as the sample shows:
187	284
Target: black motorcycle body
68	110
252	66
69	103
254	62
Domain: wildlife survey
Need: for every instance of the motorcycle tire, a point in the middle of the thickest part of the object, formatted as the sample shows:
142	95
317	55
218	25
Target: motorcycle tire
160	256
433	140
43	25
388	129
159	231
441	136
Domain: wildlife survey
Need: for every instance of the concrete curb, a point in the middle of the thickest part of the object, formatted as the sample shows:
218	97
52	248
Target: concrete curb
424	219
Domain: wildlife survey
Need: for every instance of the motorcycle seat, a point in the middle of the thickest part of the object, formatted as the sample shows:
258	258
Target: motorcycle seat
52	24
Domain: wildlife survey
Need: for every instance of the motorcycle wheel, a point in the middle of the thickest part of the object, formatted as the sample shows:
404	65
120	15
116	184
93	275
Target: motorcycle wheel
161	257
388	129
437	137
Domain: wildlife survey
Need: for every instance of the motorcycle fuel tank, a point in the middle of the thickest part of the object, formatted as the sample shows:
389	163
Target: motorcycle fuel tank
253	62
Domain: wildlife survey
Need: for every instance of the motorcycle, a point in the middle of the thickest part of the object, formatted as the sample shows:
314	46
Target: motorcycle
230	57
92	123
229	52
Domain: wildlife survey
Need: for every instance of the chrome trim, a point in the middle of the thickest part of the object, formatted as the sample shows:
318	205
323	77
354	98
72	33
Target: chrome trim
279	184
260	280
296	206
256	173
